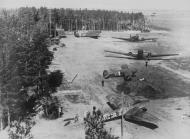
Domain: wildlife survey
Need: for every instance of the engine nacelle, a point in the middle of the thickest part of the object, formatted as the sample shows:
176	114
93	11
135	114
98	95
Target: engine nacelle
106	74
130	53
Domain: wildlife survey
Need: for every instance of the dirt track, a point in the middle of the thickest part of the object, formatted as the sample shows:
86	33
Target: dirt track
85	56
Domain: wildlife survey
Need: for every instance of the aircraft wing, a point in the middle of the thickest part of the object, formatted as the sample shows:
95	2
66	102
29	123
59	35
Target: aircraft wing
120	57
124	39
141	122
122	53
162	55
146	39
93	37
135	115
161	58
141	117
141	114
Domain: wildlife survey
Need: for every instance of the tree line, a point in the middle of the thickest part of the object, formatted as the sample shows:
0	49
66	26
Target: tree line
76	19
25	81
71	19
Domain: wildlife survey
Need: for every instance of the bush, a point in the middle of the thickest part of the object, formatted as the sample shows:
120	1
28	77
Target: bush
94	126
55	79
20	130
50	106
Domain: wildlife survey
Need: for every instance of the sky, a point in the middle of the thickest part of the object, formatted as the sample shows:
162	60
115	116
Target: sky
101	4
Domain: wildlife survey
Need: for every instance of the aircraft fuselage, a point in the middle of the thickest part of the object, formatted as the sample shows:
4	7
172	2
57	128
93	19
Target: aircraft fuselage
140	54
126	113
129	115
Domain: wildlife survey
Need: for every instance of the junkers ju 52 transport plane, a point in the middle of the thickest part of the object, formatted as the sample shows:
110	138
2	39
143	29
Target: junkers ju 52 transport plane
140	55
133	113
136	38
95	34
124	72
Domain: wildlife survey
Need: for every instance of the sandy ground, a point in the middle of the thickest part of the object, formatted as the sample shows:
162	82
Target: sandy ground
85	56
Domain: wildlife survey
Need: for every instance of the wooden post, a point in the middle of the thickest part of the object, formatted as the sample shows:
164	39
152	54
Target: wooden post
50	22
122	97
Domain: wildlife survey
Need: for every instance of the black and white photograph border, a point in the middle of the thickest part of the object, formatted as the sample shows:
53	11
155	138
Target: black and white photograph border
94	69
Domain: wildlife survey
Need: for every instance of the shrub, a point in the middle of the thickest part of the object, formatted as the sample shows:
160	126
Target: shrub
20	130
94	126
55	80
50	106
